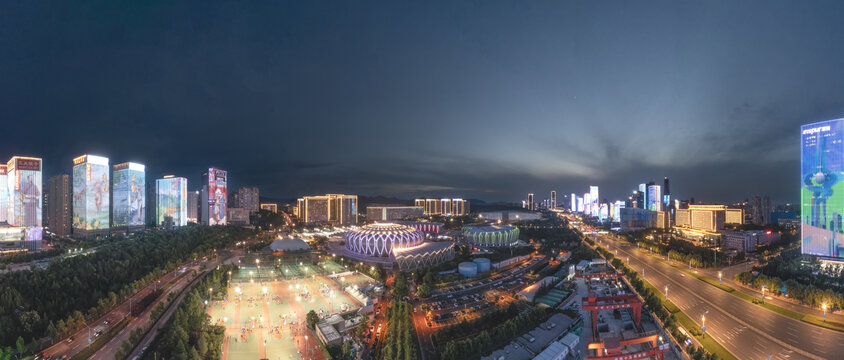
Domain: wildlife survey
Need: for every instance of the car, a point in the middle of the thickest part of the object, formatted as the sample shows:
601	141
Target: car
70	339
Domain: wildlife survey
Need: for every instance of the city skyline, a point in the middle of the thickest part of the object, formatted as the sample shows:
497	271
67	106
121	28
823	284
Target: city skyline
472	77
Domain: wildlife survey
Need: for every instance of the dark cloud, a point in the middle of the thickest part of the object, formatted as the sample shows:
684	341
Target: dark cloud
472	99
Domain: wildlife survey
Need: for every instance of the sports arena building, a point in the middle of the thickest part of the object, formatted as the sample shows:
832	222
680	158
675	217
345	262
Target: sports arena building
429	228
491	235
402	244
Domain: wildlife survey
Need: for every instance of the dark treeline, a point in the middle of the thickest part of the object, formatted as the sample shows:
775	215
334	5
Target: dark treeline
55	301
189	334
464	329
488	340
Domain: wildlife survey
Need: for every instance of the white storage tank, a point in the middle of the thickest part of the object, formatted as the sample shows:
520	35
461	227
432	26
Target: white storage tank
483	264
467	269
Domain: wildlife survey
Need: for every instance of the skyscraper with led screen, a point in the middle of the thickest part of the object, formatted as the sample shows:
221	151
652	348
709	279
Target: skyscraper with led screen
25	195
128	195
594	207
822	188
4	194
91	187
654	198
172	202
214	197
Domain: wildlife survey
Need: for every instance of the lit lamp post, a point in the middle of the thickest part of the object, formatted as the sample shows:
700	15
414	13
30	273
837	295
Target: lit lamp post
209	294
666	291
764	287
719	277
703	322
823	306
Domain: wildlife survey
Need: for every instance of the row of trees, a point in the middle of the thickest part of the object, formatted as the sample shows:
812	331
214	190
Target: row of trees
29	256
488	340
189	333
806	270
400	341
805	294
91	285
681	250
465	329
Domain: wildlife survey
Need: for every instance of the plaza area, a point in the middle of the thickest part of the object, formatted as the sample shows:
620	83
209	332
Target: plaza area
264	313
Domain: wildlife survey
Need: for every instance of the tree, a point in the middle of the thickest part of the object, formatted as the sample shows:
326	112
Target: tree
347	349
19	345
312	319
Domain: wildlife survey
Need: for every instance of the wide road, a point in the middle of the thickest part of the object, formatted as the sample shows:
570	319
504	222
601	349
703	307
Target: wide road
746	330
80	338
108	351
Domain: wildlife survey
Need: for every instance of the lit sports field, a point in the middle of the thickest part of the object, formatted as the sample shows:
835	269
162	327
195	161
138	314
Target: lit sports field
265	312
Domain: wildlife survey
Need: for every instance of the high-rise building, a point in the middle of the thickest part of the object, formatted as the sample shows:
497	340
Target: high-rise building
553	204
128	209
193	206
447	207
666	194
766	210
587	204
4	194
603	212
59	205
172	204
616	210
24	184
531	205
573	202
336	209
273	208
756	210
214	197
654	198
150	208
248	198
393	212
822	204
643	195
595	208
580	204
91	193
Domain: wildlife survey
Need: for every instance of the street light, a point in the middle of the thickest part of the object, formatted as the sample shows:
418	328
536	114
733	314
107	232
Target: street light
719	277
823	306
764	287
703	321
666	291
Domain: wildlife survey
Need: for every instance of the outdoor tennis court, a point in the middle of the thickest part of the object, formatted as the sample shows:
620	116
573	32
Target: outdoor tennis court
265	315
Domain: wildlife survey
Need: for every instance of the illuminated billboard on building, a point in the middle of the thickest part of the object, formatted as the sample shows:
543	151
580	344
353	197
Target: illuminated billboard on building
822	188
172	196
4	194
91	193
654	198
217	196
23	184
128	195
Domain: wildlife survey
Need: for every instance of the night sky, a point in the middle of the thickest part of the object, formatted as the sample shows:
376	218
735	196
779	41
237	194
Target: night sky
475	99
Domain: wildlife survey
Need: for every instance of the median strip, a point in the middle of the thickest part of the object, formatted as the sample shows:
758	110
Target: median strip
807	318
